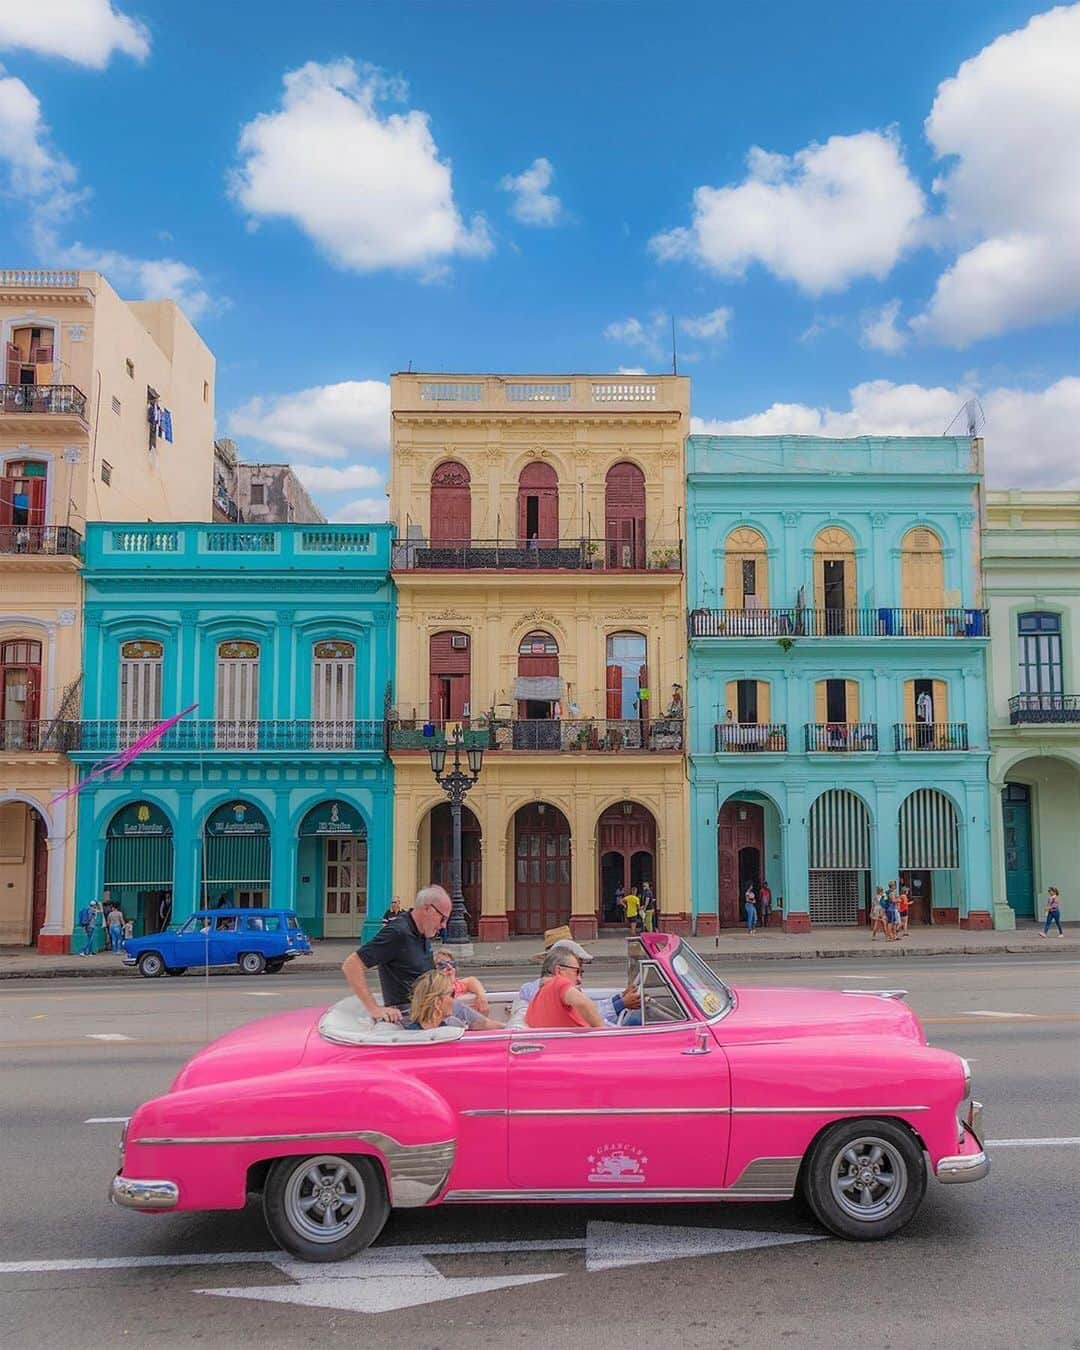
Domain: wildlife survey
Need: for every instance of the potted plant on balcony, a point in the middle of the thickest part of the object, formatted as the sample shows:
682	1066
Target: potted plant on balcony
590	553
661	558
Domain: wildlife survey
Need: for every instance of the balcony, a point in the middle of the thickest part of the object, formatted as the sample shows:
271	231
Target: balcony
276	737
930	736
53	541
747	738
1036	709
507	555
240	548
826	738
52	403
50	738
796	622
548	735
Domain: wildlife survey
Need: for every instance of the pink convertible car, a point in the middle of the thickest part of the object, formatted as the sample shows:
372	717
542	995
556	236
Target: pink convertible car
722	1094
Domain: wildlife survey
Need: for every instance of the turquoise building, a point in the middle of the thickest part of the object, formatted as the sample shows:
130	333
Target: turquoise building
276	789
837	681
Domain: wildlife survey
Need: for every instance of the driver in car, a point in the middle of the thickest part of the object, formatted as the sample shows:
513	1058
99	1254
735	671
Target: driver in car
560	1001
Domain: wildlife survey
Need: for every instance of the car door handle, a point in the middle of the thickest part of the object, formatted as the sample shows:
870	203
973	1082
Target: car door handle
701	1046
526	1048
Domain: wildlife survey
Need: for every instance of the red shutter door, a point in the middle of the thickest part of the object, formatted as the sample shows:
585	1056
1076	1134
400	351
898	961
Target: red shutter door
14	361
451	505
624	516
614	691
450	676
538	505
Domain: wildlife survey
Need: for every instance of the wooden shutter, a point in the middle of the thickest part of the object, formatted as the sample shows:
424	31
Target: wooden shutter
851	700
820	701
624	515
733	596
763	710
909	701
644	704
940	696
731	699
13	364
614	691
451	505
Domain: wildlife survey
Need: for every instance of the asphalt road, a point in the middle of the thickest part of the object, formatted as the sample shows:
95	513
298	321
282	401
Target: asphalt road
992	1264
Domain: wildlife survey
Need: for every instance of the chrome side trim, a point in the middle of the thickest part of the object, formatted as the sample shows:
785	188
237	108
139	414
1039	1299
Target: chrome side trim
418	1172
821	1110
762	1179
963	1167
877	993
131	1194
608	1111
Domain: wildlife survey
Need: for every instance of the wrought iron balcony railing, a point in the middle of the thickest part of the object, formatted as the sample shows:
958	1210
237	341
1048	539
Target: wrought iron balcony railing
931	735
1036	708
47	737
795	622
44	540
43	398
841	737
564	555
745	738
550	735
278	736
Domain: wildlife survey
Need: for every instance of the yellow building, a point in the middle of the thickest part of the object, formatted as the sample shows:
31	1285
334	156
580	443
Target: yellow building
106	413
540	582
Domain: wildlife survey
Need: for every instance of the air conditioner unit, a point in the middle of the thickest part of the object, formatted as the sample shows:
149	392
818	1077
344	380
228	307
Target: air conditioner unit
459	642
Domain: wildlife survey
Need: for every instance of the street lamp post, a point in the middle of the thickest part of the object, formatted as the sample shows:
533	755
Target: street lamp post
456	784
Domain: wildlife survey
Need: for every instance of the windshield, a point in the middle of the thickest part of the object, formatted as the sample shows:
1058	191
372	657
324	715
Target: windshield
709	992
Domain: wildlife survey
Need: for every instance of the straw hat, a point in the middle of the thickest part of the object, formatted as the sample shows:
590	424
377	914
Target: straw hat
561	937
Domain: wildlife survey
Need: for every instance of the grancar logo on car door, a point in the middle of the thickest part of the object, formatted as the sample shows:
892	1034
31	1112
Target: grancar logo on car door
617	1163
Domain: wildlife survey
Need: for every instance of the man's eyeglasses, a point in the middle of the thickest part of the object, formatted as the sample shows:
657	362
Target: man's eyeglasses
576	970
442	913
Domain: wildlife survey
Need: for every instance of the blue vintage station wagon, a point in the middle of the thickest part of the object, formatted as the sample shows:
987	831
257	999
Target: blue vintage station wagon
253	940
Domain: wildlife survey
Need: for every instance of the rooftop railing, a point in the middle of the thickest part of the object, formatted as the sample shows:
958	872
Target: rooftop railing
38	279
55	399
572	555
747	738
42	540
798	621
930	736
1043	708
841	737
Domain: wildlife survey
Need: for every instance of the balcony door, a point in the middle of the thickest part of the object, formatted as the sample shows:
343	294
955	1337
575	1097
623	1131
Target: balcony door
451	506
1039	647
450	670
538	690
20	694
140	689
624	516
333	695
538	506
22	495
237	709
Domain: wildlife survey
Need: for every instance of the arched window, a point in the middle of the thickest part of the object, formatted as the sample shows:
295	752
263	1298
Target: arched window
922	570
236	856
22	497
140	688
624	516
538	506
835	592
451	505
450	671
746	571
20	694
237	688
333	695
538	688
31	354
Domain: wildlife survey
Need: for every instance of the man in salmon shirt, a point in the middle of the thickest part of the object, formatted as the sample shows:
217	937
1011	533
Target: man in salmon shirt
560	1001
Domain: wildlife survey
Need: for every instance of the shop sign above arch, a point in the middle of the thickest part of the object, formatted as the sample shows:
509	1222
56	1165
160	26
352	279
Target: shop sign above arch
332	818
237	818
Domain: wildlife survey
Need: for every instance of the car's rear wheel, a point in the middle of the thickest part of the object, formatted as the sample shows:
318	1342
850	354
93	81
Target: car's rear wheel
273	967
252	963
175	970
865	1178
325	1207
150	965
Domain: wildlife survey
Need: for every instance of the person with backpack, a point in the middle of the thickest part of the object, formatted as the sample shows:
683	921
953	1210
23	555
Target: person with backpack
88	922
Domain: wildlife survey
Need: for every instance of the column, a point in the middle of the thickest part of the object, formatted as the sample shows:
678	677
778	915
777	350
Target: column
55	936
704	863
187	859
282	853
885	837
796	862
583	870
494	923
1003	913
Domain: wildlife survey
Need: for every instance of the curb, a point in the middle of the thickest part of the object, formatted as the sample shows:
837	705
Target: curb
714	958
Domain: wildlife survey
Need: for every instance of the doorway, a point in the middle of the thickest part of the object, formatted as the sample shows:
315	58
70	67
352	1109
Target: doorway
920	891
833	590
749	869
542	892
442	857
1019	863
740	835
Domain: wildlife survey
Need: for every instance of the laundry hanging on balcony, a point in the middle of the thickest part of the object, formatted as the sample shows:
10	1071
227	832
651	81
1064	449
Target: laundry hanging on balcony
538	688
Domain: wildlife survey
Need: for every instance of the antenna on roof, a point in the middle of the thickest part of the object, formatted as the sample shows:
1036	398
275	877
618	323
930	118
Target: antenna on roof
674	353
970	416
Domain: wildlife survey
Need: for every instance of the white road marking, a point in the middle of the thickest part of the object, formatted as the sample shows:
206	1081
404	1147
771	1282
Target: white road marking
107	1120
108	1036
613	1245
136	1262
1066	1142
261	993
985	1012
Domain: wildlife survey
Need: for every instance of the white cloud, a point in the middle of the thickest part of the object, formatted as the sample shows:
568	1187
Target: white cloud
329	421
533	204
820	218
1009	121
713	325
364	510
1030	435
631	370
144	278
647	334
84	31
369	190
879	330
322	478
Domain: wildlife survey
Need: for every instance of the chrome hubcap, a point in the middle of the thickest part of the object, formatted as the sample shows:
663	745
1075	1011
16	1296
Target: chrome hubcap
325	1199
868	1179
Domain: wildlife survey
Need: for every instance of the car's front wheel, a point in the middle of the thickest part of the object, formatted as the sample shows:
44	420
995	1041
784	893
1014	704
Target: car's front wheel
325	1207
865	1178
252	963
175	970
151	965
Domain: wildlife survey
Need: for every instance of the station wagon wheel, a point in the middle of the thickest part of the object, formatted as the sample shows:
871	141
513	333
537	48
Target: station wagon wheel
151	965
865	1178
252	963
272	967
325	1207
175	970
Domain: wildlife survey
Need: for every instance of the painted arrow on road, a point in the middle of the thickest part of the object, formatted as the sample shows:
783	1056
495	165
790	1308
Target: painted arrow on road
391	1278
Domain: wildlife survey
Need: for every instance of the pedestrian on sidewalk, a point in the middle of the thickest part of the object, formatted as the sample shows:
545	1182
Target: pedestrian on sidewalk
750	909
892	914
648	908
115	928
903	904
632	909
877	914
1053	912
764	900
88	923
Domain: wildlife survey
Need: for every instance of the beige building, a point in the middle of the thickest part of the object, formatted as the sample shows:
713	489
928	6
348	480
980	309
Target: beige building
259	494
1031	567
541	609
106	413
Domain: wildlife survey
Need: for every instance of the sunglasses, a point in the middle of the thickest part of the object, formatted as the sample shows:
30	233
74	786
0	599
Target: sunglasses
445	965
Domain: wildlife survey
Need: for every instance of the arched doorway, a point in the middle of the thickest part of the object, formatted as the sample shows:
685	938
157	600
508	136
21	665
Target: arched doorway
139	866
236	857
740	839
835	591
24	873
839	848
624	516
451	506
442	854
20	694
1019	856
333	851
922	577
626	847
930	856
538	506
538	691
542	892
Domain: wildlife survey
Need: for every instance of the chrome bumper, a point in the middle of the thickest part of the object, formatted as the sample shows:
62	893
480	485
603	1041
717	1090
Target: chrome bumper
144	1194
962	1167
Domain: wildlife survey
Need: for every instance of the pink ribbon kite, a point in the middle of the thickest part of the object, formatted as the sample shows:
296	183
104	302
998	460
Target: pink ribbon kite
124	758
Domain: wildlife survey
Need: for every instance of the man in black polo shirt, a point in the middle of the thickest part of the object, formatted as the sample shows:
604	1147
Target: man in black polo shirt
401	950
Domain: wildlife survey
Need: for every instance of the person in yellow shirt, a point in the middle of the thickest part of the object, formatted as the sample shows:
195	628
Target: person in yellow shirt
632	910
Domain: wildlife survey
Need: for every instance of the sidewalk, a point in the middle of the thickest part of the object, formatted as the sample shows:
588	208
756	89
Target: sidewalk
732	945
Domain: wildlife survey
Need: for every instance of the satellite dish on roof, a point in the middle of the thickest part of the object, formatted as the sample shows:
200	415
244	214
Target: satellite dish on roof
970	416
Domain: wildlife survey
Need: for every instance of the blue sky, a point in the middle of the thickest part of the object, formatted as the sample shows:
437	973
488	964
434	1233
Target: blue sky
859	216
